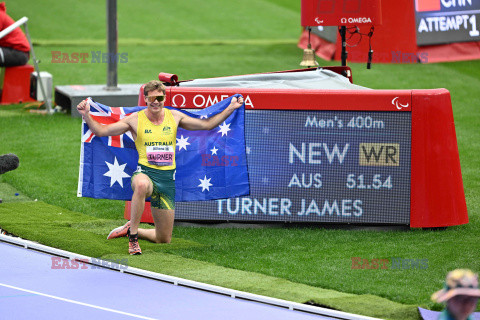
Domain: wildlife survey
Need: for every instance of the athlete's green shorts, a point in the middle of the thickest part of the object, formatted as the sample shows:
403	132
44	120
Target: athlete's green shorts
163	196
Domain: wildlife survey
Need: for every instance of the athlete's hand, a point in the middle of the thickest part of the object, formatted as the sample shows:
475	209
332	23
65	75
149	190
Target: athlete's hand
83	108
236	102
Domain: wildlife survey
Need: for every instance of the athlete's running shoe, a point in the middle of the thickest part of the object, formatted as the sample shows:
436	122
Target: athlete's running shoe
134	247
120	231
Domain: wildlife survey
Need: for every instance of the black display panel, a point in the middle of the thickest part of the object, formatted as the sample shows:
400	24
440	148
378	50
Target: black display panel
320	166
447	21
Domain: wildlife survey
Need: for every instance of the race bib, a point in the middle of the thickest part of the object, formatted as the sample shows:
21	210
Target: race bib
160	155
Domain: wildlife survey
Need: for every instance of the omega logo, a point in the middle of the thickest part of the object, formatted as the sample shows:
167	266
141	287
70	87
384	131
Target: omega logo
182	99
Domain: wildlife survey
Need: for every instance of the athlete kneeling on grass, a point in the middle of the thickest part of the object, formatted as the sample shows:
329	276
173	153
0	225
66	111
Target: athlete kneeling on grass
154	130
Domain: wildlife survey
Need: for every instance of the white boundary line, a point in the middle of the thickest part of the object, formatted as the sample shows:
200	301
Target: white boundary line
189	283
76	302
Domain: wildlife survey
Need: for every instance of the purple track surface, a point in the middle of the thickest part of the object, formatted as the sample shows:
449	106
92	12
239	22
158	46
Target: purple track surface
31	289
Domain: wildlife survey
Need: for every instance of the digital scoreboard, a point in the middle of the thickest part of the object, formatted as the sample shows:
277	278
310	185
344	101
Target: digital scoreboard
320	166
447	21
340	12
387	157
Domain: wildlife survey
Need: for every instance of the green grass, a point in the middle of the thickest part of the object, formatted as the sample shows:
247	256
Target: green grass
188	61
86	235
10	194
149	19
297	264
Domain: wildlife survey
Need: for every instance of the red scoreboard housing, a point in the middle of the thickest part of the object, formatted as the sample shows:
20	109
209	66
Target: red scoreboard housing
343	12
436	194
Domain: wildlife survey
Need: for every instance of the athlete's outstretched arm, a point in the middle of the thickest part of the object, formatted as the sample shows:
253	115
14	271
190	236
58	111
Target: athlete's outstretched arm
98	129
189	123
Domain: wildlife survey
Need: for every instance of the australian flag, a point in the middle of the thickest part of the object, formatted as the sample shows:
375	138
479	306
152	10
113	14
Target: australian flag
210	164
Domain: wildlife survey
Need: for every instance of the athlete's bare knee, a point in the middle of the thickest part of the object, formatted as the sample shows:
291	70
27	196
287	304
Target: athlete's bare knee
141	187
163	239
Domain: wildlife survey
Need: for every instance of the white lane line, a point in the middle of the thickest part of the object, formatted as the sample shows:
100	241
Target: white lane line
77	302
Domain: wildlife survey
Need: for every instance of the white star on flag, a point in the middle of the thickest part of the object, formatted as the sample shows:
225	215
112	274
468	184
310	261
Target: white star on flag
205	183
214	150
182	143
204	117
224	128
248	150
116	172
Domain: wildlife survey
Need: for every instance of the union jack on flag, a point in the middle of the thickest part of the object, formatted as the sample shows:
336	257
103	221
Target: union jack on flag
107	116
210	164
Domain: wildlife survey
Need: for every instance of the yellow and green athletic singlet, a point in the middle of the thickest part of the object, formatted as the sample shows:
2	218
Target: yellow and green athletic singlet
156	143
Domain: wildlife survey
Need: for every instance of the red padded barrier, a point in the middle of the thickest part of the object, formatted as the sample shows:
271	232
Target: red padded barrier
141	99
437	195
16	85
